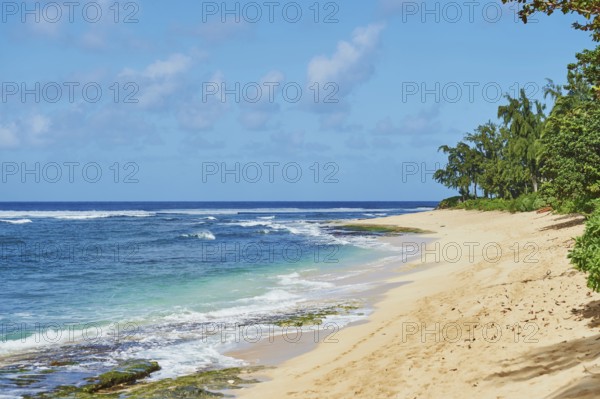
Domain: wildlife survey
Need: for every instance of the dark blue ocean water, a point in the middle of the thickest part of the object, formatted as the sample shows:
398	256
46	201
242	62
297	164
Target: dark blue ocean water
99	282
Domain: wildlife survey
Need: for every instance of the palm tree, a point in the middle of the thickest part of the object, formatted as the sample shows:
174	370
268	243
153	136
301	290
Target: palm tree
524	120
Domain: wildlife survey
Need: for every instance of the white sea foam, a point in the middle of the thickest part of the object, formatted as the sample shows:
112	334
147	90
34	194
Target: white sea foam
294	279
314	231
254	223
95	214
16	221
260	211
202	235
199	212
271	302
51	337
297	227
73	215
274	296
239	310
185	358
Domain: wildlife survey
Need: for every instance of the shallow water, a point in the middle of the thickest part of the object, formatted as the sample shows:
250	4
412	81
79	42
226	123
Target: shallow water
85	285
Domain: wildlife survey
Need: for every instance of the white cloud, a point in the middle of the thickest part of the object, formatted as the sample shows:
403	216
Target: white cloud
166	85
8	136
54	22
175	64
32	130
339	74
273	77
159	80
39	126
351	63
155	94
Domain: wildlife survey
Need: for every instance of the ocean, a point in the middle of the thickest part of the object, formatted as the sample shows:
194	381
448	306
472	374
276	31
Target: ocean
86	285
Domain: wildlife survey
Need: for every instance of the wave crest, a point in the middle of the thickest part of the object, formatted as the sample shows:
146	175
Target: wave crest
202	235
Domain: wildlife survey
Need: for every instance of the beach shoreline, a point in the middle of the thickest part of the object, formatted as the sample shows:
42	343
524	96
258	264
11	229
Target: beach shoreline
519	323
274	348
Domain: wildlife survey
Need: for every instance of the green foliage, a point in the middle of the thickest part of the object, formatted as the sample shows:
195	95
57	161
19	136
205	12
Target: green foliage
588	65
530	202
588	61
572	156
501	161
586	253
586	8
484	204
493	175
524	121
447	203
524	203
461	170
560	153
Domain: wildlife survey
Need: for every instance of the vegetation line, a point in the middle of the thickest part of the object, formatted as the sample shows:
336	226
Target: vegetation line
530	159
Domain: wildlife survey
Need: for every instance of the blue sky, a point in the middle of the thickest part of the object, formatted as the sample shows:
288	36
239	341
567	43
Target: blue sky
208	101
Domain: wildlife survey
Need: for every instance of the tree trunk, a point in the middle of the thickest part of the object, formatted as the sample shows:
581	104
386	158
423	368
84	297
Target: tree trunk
535	183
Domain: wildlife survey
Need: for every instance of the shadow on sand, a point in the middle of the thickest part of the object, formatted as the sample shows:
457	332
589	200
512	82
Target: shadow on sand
561	356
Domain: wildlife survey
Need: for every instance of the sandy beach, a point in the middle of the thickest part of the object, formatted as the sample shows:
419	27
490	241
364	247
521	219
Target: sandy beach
497	311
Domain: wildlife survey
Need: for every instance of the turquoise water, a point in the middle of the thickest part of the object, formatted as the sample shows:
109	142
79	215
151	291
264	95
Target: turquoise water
94	283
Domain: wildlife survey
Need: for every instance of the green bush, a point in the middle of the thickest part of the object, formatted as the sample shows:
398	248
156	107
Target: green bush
586	253
484	204
525	203
529	202
585	206
451	202
571	153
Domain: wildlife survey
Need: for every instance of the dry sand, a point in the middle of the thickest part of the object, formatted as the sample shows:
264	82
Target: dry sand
522	325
